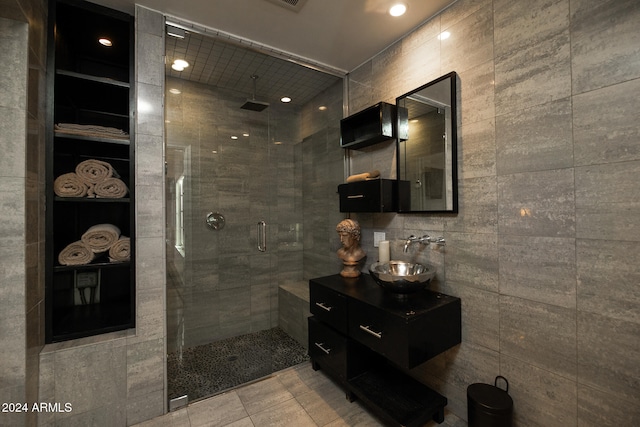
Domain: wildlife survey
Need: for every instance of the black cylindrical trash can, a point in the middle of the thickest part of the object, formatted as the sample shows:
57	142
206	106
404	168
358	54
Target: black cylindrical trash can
488	405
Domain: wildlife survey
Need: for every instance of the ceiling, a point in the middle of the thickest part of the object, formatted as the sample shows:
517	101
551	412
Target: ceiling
227	41
341	34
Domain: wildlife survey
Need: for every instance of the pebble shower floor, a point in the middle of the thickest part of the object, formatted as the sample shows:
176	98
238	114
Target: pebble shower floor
215	367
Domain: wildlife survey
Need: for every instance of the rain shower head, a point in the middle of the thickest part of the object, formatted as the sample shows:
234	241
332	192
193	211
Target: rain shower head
252	104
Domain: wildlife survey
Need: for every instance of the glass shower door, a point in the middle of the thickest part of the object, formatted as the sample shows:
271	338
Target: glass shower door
223	281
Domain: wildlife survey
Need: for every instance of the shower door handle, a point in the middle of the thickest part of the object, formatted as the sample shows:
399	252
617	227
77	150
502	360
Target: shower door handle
262	236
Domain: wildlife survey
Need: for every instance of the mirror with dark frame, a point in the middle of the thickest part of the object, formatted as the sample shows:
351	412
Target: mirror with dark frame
427	147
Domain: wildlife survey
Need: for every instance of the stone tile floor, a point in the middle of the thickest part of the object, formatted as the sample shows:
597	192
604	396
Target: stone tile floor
297	397
294	397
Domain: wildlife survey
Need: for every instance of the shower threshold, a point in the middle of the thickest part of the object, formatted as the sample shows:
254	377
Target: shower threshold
213	368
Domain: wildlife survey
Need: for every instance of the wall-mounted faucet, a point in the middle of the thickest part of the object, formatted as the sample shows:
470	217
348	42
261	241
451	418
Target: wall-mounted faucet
424	240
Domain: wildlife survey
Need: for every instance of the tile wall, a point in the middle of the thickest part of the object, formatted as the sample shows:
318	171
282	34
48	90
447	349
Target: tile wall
545	248
22	118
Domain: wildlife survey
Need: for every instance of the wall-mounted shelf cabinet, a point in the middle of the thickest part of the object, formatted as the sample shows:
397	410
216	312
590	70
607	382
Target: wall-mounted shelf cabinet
90	106
375	195
367	127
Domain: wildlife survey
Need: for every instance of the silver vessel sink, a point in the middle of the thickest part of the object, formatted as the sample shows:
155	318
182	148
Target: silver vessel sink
401	277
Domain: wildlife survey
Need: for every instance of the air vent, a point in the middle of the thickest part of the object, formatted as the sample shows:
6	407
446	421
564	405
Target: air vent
293	5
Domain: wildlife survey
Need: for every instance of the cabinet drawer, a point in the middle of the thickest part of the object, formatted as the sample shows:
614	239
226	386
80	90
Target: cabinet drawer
382	333
328	348
376	195
328	306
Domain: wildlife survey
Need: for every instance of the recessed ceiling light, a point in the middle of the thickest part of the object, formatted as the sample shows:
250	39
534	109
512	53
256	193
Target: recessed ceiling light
105	42
444	35
175	91
234	137
179	64
285	99
277	143
245	134
322	107
397	9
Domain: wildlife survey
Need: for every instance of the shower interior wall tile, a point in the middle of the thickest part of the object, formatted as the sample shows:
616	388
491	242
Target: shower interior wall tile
524	145
541	398
604	43
605	124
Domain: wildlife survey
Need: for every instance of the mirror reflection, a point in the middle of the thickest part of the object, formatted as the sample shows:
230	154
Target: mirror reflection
427	141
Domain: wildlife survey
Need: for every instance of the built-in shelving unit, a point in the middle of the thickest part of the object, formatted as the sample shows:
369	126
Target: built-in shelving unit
90	104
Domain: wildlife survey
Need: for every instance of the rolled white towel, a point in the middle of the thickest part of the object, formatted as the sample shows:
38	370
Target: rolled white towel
120	250
76	253
113	188
70	185
101	237
93	171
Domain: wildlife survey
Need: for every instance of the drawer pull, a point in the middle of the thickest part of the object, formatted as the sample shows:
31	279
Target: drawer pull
319	345
374	333
324	307
356	196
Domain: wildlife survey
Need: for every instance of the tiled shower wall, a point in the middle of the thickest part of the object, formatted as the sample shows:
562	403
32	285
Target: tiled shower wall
544	252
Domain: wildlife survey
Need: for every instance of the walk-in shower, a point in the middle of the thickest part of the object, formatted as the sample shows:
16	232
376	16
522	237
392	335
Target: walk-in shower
242	168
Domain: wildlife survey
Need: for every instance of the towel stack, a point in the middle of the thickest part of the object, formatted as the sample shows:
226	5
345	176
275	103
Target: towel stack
92	178
91	130
96	240
366	176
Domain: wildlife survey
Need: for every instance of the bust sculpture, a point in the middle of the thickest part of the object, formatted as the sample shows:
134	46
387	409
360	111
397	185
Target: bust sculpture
350	253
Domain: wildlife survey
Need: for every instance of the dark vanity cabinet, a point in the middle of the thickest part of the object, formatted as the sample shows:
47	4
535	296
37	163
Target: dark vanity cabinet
367	339
90	105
